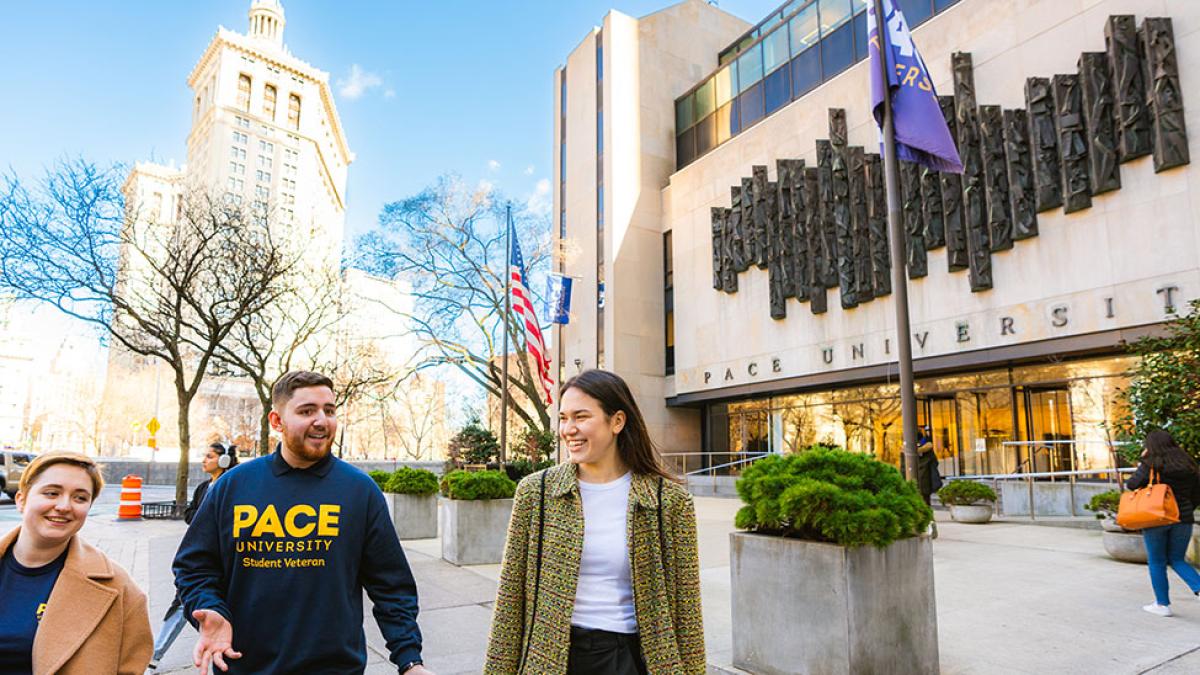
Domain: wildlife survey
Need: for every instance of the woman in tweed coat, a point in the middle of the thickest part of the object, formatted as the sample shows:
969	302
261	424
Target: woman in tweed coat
606	594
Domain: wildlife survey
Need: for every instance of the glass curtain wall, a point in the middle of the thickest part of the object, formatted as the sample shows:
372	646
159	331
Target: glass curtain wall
1038	418
797	47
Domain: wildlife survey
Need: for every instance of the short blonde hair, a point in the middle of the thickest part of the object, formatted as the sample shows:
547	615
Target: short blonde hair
42	462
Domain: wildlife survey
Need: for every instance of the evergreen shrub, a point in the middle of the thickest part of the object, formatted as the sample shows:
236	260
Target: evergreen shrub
473	444
831	496
1104	503
380	478
410	481
472	485
965	493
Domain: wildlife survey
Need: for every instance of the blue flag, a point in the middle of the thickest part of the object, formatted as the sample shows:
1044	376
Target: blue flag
558	298
922	136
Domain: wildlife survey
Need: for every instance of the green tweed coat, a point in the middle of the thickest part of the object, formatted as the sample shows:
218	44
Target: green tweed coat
666	578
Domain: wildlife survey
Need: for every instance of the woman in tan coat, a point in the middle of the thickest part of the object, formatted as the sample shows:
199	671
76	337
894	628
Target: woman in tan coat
67	609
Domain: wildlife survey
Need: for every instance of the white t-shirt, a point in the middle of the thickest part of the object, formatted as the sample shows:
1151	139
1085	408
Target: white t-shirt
604	596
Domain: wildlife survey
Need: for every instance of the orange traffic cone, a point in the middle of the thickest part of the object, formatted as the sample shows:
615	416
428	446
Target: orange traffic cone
131	498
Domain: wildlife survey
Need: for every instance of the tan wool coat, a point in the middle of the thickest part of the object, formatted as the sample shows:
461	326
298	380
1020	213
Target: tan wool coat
95	620
664	568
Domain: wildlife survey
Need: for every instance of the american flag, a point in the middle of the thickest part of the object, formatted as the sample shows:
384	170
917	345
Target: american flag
522	304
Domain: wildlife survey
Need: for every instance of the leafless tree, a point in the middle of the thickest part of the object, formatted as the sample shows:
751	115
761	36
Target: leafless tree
449	243
171	289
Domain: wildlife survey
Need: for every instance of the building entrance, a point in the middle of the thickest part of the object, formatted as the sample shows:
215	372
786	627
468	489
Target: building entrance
940	416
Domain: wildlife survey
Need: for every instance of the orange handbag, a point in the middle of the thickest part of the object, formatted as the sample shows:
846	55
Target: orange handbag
1151	506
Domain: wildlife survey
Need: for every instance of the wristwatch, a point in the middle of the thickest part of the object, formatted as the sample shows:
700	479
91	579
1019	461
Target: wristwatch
410	665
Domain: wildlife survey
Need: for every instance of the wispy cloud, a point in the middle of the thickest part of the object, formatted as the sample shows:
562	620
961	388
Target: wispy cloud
529	170
359	82
493	165
485	186
390	93
540	202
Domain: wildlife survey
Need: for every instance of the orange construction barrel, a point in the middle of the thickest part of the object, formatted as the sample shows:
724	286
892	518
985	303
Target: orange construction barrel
131	498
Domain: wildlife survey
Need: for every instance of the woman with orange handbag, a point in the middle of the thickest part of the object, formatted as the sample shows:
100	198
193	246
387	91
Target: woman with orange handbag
1164	460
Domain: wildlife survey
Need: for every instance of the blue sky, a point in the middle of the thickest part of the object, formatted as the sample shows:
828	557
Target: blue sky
452	86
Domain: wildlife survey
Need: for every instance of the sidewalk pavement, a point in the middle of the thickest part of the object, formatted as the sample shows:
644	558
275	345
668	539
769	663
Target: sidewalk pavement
1011	598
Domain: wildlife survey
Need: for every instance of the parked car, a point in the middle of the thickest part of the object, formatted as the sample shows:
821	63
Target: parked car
12	465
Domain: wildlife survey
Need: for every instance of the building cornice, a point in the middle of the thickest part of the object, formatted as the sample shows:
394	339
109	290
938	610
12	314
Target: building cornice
284	61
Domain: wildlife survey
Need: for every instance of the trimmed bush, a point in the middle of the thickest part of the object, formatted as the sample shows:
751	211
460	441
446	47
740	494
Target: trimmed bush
1104	503
410	481
832	496
380	478
472	485
473	444
966	493
519	468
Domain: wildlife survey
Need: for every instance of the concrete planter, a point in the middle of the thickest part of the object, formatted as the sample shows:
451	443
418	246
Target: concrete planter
474	531
971	513
1109	524
414	516
1125	546
808	607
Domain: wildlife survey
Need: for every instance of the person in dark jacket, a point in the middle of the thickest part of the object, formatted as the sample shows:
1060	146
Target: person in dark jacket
273	567
1167	544
217	460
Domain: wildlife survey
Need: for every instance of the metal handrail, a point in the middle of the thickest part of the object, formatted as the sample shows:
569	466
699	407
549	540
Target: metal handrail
1036	474
1028	478
745	460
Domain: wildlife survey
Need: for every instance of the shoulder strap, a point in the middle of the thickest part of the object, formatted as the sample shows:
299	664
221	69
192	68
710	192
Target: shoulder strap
537	575
662	539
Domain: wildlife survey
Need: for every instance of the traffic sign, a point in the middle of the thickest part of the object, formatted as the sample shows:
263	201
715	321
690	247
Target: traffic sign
153	426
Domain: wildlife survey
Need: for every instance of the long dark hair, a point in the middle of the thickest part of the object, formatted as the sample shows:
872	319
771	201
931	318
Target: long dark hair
1164	455
634	446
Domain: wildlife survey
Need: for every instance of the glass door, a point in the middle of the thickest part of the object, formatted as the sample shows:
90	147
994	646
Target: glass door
1046	422
939	416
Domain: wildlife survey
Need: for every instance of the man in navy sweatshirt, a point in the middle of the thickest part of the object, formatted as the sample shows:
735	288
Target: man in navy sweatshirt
274	564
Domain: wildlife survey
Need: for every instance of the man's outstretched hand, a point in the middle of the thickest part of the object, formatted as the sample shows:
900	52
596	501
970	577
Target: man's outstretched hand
215	643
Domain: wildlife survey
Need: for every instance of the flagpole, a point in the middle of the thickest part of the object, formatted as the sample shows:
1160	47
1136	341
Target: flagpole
507	310
891	173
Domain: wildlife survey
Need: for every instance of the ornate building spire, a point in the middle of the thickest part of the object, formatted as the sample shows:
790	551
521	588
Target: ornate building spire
266	21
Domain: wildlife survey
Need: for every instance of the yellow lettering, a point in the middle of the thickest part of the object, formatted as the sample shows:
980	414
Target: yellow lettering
924	85
911	76
290	520
327	522
243	516
268	522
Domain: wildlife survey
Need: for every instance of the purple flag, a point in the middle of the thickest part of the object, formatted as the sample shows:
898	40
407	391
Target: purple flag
921	133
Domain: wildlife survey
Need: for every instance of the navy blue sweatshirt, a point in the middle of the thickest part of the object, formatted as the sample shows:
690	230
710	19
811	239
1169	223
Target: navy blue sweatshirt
285	554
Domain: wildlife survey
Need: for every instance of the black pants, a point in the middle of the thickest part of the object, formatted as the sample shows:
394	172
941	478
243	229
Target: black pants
599	652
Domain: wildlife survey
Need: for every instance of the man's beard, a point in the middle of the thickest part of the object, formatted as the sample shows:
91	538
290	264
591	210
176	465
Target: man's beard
301	449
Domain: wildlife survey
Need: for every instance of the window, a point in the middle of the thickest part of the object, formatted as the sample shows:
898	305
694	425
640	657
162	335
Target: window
837	43
290	155
262	192
263	176
705	100
237	168
293	119
750	106
804	29
266	146
806	71
289	199
236	184
243	96
289	170
777	89
289	184
834	13
269	96
706	134
264	162
775	50
749	66
239	137
242	122
724	80
669	302
237	153
683	113
915	11
196	112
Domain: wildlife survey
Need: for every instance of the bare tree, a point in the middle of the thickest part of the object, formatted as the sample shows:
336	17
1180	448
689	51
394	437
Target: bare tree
448	242
172	291
291	331
422	413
